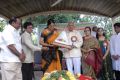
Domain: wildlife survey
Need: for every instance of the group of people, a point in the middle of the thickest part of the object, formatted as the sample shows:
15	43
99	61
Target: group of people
17	51
86	55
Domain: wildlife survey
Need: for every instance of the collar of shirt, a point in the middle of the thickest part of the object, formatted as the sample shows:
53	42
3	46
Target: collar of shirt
11	28
71	31
118	33
115	35
27	33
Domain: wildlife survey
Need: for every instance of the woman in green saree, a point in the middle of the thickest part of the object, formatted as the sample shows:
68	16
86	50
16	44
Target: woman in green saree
106	71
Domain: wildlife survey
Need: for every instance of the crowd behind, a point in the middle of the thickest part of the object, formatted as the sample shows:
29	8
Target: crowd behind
92	55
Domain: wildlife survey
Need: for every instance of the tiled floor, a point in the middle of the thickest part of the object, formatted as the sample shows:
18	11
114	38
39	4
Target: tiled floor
38	75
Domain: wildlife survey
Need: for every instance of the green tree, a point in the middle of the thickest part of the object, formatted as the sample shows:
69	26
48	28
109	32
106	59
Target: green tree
59	18
2	24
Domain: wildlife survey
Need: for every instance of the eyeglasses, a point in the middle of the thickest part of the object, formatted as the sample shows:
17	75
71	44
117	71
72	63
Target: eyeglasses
100	30
87	31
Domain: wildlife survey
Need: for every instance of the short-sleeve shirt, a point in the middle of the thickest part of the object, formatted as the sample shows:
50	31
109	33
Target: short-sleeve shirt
10	36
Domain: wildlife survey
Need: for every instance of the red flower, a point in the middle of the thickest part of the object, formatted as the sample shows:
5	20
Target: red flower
82	77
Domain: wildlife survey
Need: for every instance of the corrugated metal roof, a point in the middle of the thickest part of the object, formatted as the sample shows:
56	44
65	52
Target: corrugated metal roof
21	8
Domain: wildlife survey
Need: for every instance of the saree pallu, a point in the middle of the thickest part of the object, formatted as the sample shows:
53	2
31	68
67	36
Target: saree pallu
50	58
91	61
94	59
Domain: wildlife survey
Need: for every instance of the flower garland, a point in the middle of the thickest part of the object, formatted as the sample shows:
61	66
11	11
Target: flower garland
59	75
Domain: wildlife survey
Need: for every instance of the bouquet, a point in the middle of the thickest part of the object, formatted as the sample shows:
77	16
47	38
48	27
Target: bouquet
59	75
64	75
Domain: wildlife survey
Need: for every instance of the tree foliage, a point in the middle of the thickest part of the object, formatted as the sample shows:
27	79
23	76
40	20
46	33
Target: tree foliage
100	21
2	24
59	18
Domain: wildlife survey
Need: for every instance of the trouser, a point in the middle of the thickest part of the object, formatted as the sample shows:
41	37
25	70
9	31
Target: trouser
11	71
27	71
74	65
60	56
117	74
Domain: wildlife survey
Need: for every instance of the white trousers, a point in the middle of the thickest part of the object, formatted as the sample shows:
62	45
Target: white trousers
74	65
11	71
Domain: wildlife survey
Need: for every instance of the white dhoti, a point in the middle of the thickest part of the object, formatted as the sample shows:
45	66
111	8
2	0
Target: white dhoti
74	65
11	71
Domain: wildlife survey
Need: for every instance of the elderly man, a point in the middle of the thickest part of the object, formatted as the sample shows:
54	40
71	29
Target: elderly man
73	56
11	54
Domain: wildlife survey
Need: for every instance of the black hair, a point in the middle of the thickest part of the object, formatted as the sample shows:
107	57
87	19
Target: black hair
50	21
27	24
97	35
13	19
88	28
94	28
117	24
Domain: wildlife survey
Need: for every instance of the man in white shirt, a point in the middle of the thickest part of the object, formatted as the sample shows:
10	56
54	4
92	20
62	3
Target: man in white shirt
115	50
11	51
28	48
73	56
94	31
